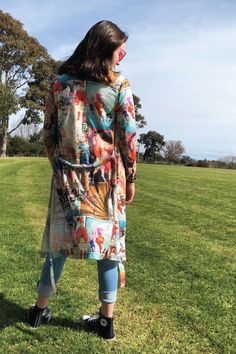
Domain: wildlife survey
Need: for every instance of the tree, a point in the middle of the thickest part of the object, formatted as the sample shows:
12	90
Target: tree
202	163
173	150
25	71
140	120
187	160
228	159
36	136
17	146
153	143
22	146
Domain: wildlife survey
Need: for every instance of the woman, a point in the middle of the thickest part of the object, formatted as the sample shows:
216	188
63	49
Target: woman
89	134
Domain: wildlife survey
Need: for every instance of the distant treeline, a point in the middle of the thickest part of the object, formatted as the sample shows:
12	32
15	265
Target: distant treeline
190	162
33	146
158	150
22	146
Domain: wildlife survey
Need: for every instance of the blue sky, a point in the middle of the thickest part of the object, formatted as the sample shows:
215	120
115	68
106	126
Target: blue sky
181	60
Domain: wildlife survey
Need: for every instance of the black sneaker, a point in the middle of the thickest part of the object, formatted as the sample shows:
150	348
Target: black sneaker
99	323
36	316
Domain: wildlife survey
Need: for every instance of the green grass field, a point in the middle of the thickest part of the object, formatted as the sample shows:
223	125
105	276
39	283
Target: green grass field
180	269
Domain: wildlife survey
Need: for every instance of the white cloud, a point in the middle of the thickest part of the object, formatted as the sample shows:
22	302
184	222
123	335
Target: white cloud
187	83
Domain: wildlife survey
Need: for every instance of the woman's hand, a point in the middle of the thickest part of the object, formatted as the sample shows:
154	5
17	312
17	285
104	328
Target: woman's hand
130	192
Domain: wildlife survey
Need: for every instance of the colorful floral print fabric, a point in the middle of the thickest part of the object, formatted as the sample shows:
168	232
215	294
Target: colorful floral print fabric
90	138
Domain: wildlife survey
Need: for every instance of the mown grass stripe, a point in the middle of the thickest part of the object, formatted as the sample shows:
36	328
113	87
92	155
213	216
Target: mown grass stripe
180	269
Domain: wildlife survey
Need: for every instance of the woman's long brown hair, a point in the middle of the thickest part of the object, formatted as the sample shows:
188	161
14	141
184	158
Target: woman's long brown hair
92	58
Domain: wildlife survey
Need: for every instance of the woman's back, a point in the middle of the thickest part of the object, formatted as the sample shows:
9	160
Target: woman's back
86	113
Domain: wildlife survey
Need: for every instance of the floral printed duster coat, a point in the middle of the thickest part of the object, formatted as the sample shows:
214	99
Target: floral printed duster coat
90	138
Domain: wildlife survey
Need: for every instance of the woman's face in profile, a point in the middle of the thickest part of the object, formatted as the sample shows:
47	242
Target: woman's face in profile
118	55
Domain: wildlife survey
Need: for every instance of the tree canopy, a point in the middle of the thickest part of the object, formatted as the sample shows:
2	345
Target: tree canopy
174	150
25	72
153	143
140	120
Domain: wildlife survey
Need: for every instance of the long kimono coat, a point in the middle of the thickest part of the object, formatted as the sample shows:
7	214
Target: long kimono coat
90	138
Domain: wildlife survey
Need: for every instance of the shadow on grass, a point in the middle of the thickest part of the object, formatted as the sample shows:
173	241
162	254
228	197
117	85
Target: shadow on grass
11	314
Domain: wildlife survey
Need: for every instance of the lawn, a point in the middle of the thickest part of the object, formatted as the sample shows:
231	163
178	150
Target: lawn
180	289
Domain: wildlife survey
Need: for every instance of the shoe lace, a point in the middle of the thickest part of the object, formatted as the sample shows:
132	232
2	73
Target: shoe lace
94	317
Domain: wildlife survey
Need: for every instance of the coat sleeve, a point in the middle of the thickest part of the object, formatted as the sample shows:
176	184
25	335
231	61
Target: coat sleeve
50	123
126	125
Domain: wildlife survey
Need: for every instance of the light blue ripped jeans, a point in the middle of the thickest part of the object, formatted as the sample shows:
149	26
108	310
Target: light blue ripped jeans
107	278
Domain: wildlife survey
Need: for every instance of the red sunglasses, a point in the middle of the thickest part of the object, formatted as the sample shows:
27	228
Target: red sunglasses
122	53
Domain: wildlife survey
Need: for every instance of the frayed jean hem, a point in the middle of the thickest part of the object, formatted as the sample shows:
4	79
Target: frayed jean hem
108	296
45	290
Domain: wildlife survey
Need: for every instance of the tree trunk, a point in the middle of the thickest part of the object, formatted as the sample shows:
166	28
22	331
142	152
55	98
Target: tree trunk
3	138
